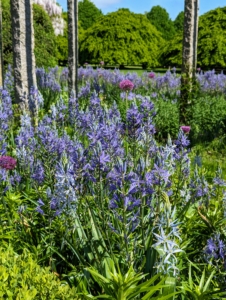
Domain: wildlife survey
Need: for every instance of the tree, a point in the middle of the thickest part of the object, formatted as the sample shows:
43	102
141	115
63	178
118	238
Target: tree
23	50
62	44
212	38
123	38
159	17
171	54
189	54
179	22
72	6
54	10
45	40
211	42
88	13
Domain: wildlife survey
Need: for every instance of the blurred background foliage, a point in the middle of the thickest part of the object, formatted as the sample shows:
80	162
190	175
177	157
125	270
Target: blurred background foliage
123	38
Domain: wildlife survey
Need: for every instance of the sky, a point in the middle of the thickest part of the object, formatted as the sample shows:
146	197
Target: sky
173	7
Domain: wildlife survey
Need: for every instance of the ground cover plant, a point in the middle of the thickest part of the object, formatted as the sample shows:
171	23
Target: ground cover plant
103	189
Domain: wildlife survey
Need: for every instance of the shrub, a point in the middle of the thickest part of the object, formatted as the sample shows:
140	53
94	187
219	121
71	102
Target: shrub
22	278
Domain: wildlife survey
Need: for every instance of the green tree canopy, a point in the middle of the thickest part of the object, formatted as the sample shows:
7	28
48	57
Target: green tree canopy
159	17
45	40
212	38
211	42
62	42
179	22
123	38
88	13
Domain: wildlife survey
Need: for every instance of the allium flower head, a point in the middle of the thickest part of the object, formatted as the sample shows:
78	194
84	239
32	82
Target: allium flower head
186	129
102	63
7	162
151	75
126	85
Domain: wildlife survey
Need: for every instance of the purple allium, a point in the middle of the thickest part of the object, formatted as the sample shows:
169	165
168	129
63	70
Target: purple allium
186	129
126	85
151	75
102	63
198	69
7	162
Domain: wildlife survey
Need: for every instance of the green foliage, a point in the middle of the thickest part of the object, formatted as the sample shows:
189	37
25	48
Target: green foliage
88	13
197	288
167	118
6	33
211	42
121	38
117	286
45	40
212	38
208	118
22	278
159	17
62	44
179	22
171	54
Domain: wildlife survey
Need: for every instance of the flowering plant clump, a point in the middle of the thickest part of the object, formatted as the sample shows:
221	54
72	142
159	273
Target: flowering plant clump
151	75
126	85
7	162
186	129
92	182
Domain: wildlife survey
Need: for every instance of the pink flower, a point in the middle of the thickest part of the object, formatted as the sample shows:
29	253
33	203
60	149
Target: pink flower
7	162
186	129
102	63
151	75
126	85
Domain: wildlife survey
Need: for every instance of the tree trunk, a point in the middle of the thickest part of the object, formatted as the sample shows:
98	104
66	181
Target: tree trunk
72	47
1	49
189	59
23	50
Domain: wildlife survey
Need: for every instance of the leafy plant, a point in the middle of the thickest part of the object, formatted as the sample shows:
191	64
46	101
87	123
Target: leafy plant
22	278
117	286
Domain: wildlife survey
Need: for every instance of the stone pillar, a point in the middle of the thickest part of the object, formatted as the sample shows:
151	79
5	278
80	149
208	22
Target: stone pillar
23	50
189	55
190	39
72	47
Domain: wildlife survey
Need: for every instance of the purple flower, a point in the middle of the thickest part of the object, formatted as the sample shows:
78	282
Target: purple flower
186	129
39	210
126	85
39	173
102	63
7	162
151	75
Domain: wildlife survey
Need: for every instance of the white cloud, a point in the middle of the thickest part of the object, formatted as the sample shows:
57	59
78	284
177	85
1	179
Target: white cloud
105	3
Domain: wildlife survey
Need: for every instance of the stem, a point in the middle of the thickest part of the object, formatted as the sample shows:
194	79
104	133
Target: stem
127	134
